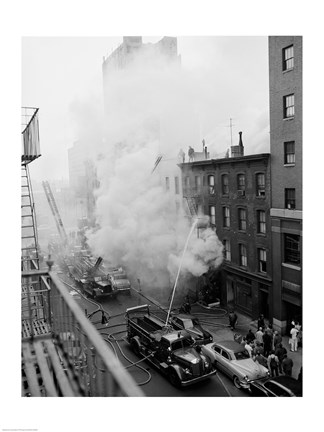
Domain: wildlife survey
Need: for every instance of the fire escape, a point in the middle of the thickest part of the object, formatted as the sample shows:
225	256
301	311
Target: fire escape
62	353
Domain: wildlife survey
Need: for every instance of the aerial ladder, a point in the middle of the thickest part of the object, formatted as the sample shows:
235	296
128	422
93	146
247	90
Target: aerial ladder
55	212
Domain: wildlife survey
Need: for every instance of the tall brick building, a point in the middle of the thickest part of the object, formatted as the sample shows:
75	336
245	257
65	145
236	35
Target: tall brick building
285	73
235	193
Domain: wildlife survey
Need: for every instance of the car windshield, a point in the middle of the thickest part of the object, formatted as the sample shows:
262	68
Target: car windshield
241	355
119	276
182	343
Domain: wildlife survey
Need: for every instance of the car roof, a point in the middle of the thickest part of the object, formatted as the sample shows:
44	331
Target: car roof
231	345
290	383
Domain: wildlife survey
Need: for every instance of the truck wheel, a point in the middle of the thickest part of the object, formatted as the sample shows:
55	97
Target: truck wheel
174	379
135	347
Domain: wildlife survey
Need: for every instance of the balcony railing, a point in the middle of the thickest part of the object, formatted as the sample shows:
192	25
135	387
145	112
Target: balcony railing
62	352
30	134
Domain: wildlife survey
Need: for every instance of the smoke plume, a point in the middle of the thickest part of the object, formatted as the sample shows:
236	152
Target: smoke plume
148	112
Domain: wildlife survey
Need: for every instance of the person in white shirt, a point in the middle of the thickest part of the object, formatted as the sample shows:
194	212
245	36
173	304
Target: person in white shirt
249	349
293	339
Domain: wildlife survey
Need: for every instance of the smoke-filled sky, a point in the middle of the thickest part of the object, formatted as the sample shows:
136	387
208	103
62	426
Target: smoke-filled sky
225	77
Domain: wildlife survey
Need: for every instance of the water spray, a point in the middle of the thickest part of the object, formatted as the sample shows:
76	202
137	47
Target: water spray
200	223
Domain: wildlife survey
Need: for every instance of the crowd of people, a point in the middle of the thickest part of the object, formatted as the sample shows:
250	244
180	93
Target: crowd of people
265	346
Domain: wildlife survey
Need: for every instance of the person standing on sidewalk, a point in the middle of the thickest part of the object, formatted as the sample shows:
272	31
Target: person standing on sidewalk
261	360
294	339
248	348
280	352
267	344
259	336
261	322
277	339
273	363
232	319
250	336
287	365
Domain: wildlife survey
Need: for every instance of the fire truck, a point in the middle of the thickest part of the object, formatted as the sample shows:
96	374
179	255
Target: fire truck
87	273
172	352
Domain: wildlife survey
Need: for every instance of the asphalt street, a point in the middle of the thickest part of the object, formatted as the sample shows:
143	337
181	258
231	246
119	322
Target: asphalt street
150	379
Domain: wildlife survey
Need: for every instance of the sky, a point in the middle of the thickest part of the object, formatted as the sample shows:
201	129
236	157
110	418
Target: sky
227	76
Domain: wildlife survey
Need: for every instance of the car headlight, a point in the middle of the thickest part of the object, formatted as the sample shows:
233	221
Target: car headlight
206	363
187	371
246	378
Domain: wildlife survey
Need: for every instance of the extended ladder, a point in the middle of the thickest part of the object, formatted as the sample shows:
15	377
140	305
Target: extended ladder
55	212
29	240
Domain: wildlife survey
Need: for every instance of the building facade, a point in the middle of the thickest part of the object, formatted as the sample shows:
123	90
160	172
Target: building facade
235	193
285	81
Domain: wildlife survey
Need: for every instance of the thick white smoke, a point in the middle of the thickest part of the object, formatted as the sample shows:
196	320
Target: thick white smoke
149	112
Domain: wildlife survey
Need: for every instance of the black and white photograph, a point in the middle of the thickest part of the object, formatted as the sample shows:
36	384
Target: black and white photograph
161	242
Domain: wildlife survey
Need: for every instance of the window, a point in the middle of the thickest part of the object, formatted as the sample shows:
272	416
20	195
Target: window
243	255
176	185
227	250
262	256
289	150
261	217
212	215
290	199
242	219
197	183
260	184
241	184
167	183
225	184
289	106
187	182
217	349
226	217
177	207
225	355
292	249
288	58
211	184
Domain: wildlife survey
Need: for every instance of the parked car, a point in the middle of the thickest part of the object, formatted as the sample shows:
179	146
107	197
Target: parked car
232	359
281	386
193	327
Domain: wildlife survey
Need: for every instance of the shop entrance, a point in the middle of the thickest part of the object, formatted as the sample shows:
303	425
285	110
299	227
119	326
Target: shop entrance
264	303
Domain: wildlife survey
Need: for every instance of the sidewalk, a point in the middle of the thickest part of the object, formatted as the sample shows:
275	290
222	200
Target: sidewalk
244	323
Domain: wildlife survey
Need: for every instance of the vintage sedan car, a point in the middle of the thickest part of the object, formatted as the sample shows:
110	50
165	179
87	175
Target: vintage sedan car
232	359
193	327
281	386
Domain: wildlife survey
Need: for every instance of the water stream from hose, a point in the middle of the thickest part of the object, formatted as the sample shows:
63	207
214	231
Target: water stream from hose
179	269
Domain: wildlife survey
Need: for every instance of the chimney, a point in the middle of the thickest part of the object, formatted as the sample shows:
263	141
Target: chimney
238	150
240	141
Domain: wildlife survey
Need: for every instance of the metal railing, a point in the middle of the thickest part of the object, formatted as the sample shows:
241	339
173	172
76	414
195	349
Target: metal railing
88	362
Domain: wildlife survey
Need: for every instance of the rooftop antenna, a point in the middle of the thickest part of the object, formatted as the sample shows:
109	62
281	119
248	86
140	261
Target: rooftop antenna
231	126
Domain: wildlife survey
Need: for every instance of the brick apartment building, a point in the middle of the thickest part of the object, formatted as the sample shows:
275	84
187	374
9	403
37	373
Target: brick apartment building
235	193
285	73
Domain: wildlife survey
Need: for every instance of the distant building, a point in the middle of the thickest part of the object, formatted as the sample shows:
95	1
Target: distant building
164	128
235	193
285	73
131	49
